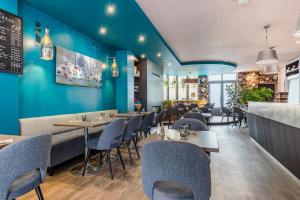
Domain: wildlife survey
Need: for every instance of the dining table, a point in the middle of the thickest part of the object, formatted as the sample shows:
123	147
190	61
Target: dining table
85	125
6	140
131	114
206	140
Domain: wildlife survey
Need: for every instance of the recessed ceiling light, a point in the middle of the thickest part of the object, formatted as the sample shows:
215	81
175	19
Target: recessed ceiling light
158	54
143	56
103	30
141	38
111	9
169	64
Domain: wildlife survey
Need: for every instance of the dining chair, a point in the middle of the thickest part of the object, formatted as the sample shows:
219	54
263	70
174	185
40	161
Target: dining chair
110	138
146	124
195	115
130	134
23	166
196	124
226	112
193	106
159	118
239	115
175	170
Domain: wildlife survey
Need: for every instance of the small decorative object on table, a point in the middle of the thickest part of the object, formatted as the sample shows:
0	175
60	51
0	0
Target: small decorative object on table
185	130
83	117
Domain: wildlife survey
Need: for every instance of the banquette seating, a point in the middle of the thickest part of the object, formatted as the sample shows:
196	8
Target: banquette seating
67	142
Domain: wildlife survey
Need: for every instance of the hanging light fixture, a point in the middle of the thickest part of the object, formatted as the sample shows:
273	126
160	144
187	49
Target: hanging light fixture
268	56
297	31
114	68
46	50
271	69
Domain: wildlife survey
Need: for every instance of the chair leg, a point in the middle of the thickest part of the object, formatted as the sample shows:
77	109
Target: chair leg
50	171
109	164
136	149
101	158
222	119
39	192
85	163
129	150
120	156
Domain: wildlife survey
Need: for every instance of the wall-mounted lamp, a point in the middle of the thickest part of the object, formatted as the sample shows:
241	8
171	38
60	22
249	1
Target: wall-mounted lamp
45	43
114	67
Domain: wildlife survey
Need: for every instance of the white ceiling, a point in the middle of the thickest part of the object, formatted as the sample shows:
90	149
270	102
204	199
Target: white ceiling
223	29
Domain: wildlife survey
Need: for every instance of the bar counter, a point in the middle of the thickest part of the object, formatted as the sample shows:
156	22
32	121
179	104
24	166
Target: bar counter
276	127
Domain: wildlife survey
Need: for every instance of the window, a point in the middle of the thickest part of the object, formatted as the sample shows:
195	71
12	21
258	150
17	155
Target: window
215	77
165	83
229	77
182	88
193	91
172	87
217	85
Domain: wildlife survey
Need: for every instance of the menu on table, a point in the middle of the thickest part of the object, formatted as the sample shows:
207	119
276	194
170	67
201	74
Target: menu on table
11	43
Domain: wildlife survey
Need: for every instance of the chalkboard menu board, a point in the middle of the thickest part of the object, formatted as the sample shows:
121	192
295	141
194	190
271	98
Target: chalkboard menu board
11	43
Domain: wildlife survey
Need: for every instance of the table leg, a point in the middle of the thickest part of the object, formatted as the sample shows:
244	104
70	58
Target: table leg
90	170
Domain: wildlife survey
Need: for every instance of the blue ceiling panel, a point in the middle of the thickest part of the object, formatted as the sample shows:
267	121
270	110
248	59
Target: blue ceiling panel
123	28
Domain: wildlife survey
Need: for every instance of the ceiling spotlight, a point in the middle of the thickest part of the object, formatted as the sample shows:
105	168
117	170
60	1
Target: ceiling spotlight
110	9
143	56
169	64
102	30
158	54
141	38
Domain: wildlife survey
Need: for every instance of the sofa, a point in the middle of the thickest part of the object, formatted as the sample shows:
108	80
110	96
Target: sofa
67	142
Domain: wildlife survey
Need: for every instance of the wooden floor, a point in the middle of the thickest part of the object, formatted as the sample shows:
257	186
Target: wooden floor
240	171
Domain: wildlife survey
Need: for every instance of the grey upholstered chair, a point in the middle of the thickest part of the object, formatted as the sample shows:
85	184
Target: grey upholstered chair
175	170
111	137
159	118
23	166
147	124
130	134
196	124
195	115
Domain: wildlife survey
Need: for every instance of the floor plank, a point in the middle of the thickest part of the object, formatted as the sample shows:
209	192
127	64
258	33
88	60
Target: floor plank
241	170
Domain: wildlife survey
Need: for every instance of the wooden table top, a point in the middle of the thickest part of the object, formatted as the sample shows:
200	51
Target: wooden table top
83	124
133	114
206	140
15	138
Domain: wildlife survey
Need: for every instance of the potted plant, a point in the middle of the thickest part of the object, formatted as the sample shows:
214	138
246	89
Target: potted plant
232	95
256	94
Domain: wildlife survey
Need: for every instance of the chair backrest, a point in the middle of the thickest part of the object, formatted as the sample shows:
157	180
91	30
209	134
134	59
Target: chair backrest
21	157
226	111
237	111
180	162
113	131
132	126
160	117
195	115
193	105
196	124
147	122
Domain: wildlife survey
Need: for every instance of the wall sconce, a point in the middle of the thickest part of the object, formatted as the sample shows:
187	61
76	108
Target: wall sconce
45	43
114	67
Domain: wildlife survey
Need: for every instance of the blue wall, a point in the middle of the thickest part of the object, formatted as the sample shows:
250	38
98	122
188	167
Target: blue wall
125	82
9	90
39	94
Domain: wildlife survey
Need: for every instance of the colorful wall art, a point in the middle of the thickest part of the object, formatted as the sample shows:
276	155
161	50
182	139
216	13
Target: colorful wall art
77	69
